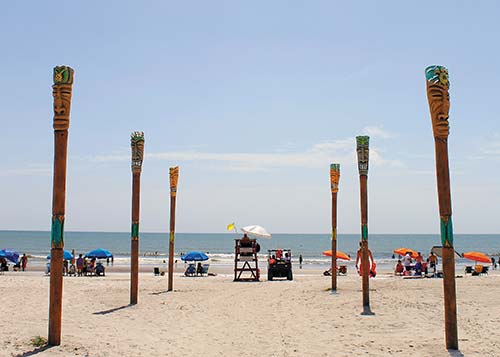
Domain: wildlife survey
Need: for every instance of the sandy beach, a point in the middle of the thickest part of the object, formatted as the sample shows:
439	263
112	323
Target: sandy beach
214	316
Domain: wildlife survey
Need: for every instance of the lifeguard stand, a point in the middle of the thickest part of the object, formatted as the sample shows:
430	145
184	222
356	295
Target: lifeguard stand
245	260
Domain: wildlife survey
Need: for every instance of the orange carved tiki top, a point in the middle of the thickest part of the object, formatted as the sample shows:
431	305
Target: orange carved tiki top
334	177
174	177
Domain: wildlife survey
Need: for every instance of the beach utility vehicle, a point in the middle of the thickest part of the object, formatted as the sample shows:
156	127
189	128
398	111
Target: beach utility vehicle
279	264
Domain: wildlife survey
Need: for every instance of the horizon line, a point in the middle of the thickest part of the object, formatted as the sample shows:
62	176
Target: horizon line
281	233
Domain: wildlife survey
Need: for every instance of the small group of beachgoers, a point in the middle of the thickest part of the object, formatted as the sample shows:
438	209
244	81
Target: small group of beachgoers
18	263
409	266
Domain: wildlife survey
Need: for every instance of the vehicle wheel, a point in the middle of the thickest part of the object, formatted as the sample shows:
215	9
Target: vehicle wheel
289	276
270	276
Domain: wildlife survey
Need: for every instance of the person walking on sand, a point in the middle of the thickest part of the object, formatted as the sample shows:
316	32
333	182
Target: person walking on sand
300	261
371	262
24	262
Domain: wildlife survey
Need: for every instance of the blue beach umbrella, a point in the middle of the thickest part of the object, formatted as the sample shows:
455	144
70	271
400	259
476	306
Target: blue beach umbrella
10	255
99	253
67	255
196	256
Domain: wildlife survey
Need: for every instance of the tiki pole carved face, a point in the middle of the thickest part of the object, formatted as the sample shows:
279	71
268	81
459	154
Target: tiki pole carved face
362	144
137	144
174	177
334	177
438	85
61	91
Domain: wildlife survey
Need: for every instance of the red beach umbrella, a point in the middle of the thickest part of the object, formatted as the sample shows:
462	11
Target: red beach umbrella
340	255
403	251
477	257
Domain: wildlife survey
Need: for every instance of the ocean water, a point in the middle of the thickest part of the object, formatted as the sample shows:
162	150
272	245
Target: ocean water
153	247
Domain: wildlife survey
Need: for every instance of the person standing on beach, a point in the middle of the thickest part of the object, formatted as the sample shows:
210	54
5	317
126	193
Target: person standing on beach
407	261
79	265
300	261
24	262
493	264
371	262
433	261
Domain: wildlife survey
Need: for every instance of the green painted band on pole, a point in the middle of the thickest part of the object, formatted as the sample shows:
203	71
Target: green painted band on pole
364	232
135	230
172	237
446	232
57	232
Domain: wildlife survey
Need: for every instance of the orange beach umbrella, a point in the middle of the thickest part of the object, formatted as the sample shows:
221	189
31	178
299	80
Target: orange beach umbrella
340	255
477	257
403	251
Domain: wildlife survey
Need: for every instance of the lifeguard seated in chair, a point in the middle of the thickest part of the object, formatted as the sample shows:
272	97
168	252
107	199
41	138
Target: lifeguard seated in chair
247	244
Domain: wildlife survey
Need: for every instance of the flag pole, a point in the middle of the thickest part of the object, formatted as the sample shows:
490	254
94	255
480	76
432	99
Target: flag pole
174	177
439	104
62	91
334	186
137	145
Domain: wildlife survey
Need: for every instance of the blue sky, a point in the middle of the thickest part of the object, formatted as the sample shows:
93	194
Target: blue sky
253	100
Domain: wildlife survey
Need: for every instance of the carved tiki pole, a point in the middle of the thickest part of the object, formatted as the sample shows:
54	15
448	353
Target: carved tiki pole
61	91
334	185
174	177
439	104
362	148
137	145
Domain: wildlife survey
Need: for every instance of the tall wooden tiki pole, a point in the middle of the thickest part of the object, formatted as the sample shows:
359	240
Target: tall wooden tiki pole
334	185
137	145
362	148
439	103
174	177
61	91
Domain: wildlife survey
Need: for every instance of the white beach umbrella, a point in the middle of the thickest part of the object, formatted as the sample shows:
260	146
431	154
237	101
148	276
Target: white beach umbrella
257	231
438	250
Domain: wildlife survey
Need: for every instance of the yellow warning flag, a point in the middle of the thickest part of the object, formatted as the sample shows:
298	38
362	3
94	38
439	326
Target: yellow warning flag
230	226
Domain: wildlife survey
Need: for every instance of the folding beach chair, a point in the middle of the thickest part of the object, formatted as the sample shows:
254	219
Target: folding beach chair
204	269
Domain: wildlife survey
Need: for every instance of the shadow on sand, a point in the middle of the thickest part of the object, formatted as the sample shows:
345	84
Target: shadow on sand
35	351
105	312
455	353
